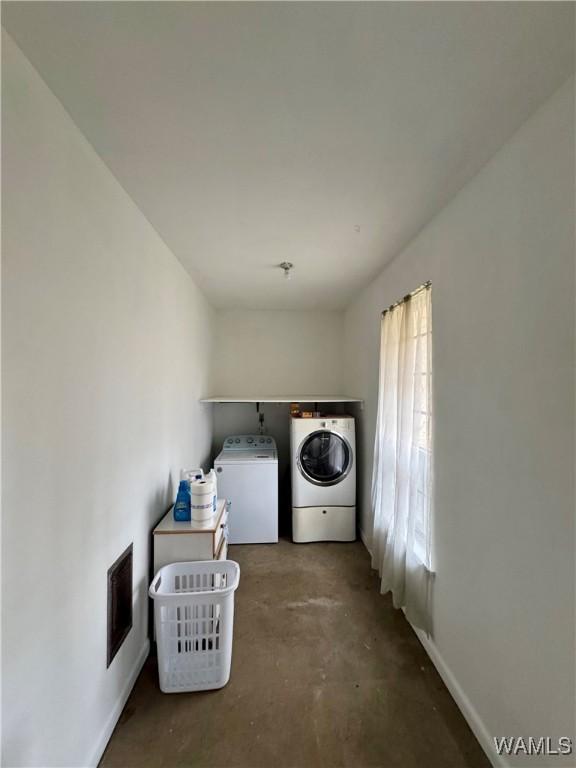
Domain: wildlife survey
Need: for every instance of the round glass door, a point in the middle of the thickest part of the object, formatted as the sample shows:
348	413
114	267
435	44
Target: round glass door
324	458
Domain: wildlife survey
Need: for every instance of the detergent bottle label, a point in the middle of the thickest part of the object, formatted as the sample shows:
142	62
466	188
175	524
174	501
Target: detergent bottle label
182	506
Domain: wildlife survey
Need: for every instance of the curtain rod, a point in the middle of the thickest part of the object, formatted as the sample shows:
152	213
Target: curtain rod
408	296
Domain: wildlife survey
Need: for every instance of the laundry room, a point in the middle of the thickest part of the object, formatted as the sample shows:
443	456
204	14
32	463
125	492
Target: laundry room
268	353
288	374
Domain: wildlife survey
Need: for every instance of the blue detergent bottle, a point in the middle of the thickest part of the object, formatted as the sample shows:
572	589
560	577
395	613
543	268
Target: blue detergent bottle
182	506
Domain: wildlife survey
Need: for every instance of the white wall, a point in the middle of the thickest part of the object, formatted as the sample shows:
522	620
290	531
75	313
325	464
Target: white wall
100	393
278	352
501	261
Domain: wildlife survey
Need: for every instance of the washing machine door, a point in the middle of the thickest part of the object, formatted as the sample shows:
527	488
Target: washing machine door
324	457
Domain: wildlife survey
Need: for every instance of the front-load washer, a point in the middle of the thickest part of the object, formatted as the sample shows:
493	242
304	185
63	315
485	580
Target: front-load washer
247	476
323	466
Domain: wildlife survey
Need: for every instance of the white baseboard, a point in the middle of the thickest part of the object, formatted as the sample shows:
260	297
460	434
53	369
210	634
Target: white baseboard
463	702
110	724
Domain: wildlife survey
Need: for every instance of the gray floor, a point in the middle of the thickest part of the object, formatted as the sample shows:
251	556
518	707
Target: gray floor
324	673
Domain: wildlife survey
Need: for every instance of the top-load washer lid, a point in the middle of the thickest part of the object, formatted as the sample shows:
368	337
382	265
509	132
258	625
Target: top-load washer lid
247	457
324	457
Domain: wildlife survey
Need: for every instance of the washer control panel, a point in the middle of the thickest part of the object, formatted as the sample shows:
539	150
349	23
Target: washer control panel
249	443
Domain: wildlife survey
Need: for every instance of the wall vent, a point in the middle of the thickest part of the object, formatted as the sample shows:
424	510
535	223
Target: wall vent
119	602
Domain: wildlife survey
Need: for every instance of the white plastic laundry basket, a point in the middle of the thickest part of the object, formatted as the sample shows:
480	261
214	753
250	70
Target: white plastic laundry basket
194	618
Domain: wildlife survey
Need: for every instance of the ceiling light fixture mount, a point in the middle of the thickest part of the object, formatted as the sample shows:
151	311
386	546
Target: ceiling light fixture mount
287	266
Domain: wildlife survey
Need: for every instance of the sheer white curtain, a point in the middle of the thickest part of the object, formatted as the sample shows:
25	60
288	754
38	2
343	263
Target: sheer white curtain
402	473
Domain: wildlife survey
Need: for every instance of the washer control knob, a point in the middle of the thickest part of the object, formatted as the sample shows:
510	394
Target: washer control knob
249	439
237	440
268	440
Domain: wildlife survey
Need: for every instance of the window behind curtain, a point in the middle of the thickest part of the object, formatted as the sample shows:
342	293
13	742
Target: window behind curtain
422	332
402	474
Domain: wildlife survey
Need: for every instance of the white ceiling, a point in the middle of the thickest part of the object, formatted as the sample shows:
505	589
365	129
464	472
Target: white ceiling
253	133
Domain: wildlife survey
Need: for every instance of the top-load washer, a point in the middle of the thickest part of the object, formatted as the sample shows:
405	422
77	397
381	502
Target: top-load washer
247	476
323	466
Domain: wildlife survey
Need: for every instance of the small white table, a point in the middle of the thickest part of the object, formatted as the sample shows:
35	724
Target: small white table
176	542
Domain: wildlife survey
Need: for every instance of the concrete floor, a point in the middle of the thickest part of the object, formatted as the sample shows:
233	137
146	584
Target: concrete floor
325	673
